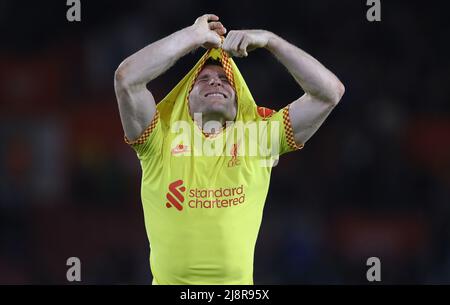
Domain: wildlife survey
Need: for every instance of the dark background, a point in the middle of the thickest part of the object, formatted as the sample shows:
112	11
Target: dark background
373	181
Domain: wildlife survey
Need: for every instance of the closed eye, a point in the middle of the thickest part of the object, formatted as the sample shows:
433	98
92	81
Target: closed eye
206	78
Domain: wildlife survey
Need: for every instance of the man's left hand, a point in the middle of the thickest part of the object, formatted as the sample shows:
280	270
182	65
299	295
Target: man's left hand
239	43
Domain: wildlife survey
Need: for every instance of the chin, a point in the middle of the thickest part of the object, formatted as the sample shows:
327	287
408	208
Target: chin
218	110
216	105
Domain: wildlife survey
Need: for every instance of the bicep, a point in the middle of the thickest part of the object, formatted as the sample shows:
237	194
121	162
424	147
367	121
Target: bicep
137	108
307	114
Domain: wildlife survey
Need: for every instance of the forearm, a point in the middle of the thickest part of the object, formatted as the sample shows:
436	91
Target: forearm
156	58
310	74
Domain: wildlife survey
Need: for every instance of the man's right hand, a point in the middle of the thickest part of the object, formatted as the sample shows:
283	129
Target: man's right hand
209	29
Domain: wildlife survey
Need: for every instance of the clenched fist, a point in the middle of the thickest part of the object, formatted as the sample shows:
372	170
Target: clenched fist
209	30
239	43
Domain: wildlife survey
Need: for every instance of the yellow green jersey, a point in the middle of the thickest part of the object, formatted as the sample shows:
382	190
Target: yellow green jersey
203	196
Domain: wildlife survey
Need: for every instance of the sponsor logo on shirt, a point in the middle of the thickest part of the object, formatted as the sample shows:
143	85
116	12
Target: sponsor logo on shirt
175	196
199	198
179	149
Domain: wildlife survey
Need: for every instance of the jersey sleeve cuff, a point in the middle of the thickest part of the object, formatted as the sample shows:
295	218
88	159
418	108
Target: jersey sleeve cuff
147	132
289	132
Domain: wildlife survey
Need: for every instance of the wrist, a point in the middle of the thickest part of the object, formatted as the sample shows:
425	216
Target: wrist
272	40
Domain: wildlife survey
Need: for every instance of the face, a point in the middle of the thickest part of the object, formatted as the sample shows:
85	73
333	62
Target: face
212	94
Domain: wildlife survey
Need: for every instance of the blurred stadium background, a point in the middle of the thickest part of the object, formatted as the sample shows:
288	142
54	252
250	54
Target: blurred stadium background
374	181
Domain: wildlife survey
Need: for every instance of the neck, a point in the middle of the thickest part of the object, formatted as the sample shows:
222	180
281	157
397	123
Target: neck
212	123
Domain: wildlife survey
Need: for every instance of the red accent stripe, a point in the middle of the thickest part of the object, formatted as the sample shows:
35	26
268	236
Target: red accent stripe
173	188
288	130
174	202
146	133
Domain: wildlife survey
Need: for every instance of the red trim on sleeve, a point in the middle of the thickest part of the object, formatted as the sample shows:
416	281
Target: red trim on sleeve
146	133
288	130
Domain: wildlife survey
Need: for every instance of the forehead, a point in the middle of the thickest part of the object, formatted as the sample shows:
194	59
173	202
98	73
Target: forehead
212	69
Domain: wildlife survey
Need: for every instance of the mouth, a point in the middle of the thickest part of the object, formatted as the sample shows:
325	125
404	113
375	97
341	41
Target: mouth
217	94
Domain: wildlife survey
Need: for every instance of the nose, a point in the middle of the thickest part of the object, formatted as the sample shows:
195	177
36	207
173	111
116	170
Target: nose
215	81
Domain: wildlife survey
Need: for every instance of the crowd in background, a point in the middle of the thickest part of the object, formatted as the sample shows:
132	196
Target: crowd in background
373	181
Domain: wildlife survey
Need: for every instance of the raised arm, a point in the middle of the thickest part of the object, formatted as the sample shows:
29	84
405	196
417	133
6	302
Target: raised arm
136	104
323	90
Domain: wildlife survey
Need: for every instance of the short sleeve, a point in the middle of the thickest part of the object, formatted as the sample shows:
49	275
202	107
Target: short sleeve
150	143
286	134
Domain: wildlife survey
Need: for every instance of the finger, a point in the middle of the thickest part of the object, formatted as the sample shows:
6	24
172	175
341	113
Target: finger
221	31
210	17
235	44
242	48
215	25
229	41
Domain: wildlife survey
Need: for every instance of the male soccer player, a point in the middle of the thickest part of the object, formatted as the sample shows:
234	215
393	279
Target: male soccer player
203	189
